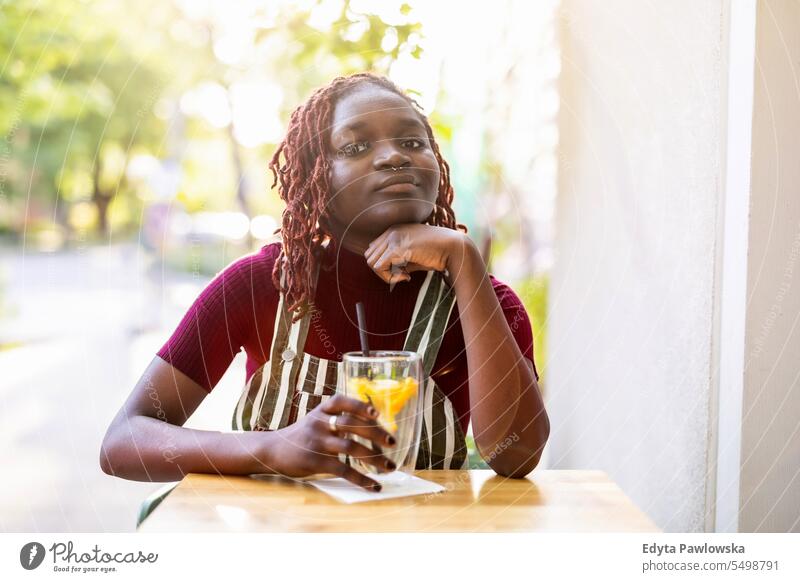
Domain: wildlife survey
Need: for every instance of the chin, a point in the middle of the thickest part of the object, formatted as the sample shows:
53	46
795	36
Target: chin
399	213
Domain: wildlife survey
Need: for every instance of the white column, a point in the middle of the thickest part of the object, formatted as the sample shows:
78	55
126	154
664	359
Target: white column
632	298
769	483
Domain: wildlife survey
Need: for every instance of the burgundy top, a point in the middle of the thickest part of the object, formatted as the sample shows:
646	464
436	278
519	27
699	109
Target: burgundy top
237	310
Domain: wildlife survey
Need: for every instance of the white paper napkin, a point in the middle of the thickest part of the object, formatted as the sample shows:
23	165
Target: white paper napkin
395	484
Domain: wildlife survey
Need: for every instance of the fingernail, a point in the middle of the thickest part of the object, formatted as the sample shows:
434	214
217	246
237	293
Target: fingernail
372	412
390	440
377	487
390	465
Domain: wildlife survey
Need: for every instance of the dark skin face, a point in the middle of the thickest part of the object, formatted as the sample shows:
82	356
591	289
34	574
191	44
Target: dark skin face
374	130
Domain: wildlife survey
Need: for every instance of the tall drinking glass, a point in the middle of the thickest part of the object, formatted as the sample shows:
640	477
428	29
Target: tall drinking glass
392	382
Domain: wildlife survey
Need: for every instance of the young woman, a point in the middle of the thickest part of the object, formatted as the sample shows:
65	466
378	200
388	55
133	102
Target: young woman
368	218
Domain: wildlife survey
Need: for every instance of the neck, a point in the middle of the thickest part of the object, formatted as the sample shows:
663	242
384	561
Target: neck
353	241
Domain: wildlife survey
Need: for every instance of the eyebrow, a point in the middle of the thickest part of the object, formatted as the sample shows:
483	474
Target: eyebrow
402	123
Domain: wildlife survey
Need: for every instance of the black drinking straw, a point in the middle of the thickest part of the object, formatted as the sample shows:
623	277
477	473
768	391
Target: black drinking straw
362	328
362	334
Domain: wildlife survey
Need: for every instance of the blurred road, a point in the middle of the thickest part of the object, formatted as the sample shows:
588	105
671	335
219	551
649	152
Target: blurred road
77	328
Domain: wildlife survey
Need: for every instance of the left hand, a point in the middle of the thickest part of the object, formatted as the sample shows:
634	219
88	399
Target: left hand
405	248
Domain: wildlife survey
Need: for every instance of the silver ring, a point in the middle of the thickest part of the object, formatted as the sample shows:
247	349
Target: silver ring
332	423
394	169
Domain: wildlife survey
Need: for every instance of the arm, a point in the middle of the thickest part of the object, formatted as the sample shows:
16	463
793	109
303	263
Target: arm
146	441
505	397
508	415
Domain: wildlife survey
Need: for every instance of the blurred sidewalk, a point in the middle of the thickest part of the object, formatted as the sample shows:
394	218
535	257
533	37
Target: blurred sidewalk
78	328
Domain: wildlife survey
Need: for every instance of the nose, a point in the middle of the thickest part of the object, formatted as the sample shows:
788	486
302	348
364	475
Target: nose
389	155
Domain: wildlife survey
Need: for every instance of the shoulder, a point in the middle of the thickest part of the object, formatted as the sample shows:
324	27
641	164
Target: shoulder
512	306
506	296
246	279
257	262
517	318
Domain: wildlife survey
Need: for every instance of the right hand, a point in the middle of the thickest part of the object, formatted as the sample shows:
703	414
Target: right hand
308	446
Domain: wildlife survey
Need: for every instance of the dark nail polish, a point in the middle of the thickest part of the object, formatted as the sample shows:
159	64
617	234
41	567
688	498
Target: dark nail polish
390	440
372	412
377	487
390	465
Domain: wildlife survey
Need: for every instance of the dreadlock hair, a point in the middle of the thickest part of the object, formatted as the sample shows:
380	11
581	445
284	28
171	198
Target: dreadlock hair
302	178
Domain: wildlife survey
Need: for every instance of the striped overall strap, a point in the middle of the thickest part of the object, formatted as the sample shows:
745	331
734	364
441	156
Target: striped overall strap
442	444
435	301
264	404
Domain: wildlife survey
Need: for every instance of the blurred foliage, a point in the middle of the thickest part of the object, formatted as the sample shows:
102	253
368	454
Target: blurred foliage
533	291
88	86
354	42
474	459
73	107
2	294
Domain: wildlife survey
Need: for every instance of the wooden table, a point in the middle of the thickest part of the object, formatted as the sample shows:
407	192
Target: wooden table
474	501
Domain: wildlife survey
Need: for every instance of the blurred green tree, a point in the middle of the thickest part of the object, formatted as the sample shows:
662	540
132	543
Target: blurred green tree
76	104
284	45
81	83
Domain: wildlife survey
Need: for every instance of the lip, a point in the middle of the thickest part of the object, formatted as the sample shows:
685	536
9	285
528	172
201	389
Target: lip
398	182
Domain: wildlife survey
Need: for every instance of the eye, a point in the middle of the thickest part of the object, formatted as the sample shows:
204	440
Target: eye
414	143
352	149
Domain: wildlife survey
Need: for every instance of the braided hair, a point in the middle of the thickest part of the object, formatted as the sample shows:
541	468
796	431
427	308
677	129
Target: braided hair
302	179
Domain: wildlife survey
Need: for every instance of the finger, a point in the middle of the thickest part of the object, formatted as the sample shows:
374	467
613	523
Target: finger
383	264
377	240
389	259
339	403
375	249
398	274
370	430
338	445
336	467
384	274
379	257
381	238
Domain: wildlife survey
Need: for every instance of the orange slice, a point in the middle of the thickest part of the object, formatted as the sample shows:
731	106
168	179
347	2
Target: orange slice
386	395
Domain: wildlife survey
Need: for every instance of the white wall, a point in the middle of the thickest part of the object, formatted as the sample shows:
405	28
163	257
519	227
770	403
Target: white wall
675	308
631	322
769	487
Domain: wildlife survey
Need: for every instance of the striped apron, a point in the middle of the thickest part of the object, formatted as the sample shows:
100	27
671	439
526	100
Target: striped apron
293	382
